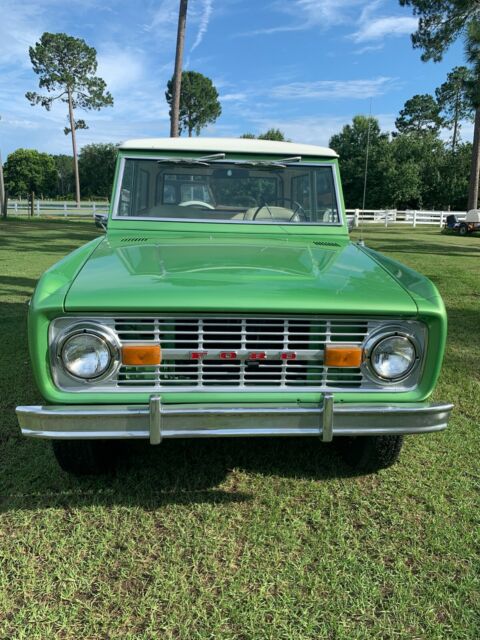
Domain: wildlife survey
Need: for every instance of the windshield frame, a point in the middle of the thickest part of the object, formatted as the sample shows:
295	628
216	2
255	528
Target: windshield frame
162	157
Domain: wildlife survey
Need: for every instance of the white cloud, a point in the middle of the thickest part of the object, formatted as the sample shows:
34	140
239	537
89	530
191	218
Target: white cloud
204	21
120	68
334	89
379	28
368	49
233	97
324	14
314	130
20	27
164	20
305	14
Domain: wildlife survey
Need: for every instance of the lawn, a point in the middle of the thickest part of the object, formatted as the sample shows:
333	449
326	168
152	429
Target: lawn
243	539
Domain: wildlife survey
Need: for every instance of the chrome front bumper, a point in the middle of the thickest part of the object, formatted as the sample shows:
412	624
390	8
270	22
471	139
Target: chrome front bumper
157	421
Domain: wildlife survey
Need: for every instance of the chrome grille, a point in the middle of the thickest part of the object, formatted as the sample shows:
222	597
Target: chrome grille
179	337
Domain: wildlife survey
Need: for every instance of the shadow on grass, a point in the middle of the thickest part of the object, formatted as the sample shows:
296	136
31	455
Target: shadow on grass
52	247
14	281
407	245
463	333
53	238
176	472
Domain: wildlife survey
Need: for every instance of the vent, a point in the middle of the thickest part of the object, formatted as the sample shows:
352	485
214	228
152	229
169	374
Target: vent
130	239
326	244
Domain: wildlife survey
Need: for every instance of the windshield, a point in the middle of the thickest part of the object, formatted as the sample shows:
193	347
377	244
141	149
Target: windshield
254	192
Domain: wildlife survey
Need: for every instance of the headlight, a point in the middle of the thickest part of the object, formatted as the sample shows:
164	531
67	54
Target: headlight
392	358
88	353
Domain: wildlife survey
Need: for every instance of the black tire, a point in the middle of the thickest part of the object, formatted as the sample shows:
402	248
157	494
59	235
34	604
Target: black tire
463	229
370	453
85	457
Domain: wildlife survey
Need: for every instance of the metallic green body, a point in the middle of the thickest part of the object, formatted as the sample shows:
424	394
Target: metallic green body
151	266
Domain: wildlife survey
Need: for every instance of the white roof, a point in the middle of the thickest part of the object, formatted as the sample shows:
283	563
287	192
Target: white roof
229	145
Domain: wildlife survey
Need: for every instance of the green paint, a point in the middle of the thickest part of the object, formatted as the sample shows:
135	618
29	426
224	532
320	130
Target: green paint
243	268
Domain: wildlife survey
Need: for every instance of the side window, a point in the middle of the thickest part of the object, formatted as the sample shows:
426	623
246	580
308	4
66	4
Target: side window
325	196
169	196
143	181
169	190
192	191
301	192
165	192
124	205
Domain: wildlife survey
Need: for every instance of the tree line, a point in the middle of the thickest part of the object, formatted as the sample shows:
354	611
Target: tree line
440	24
53	176
404	171
410	167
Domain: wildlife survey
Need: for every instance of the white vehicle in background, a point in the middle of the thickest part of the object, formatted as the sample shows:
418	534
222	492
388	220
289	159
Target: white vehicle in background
464	227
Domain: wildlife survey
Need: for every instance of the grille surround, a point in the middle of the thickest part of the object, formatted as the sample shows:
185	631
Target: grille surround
180	335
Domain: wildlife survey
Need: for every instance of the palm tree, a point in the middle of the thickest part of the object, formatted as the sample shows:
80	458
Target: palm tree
472	53
177	75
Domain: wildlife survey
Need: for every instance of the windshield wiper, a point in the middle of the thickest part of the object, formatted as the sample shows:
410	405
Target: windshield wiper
204	161
185	161
282	164
264	164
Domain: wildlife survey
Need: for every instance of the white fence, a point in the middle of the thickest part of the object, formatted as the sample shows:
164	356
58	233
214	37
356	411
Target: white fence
55	209
388	217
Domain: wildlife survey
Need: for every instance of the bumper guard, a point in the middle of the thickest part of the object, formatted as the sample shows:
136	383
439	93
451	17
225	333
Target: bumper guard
157	421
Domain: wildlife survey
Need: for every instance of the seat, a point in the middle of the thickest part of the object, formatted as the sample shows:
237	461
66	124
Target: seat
278	214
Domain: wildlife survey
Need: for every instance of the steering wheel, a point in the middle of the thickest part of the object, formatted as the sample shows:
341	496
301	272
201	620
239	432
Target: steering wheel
297	208
196	203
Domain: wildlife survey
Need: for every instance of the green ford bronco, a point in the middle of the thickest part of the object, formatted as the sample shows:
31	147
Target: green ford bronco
226	299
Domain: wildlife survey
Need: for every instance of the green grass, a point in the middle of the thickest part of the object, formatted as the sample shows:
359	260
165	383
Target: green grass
245	539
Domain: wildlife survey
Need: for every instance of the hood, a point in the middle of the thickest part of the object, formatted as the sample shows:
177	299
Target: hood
271	274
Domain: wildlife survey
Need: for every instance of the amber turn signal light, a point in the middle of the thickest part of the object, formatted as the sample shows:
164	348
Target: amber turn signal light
141	354
343	356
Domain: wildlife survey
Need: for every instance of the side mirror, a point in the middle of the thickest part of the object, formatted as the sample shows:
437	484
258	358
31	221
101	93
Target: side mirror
101	221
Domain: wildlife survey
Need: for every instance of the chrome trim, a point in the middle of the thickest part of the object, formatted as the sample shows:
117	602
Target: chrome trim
227	420
155	420
413	362
118	189
327	410
106	334
416	336
116	201
178	373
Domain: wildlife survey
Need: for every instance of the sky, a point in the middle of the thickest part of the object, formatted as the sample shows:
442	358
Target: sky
303	66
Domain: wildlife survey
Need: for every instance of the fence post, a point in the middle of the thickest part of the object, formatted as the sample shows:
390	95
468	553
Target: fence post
94	208
441	219
356	217
15	206
414	219
65	209
38	207
386	218
5	203
32	203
